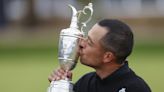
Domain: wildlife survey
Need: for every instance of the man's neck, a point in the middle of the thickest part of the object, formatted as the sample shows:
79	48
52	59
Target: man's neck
107	70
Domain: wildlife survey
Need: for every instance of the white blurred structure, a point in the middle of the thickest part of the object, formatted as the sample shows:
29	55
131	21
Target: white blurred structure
131	8
160	6
52	8
16	9
45	9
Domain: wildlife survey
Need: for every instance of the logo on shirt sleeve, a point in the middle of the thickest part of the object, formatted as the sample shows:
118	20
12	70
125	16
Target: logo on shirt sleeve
122	90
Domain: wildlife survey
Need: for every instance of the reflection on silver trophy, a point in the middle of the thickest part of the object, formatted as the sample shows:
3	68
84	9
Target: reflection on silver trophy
68	48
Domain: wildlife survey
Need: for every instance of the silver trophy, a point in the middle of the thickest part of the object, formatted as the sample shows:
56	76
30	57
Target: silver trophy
68	48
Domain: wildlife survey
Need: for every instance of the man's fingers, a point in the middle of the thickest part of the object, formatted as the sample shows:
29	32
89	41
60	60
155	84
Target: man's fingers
59	74
50	78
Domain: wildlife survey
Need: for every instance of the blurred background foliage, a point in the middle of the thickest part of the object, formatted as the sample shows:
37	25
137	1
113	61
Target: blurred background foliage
29	32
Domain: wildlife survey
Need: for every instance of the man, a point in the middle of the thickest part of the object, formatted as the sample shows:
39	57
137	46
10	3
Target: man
106	48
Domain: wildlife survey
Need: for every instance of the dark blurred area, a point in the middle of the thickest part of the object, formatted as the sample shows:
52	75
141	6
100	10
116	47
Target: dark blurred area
2	13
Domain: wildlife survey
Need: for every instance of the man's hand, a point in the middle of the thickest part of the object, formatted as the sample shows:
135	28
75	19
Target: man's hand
59	74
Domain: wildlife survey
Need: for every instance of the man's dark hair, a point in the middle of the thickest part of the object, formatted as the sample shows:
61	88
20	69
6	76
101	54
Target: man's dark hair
119	38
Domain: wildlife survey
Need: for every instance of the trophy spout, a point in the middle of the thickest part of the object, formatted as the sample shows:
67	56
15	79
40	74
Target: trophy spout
74	19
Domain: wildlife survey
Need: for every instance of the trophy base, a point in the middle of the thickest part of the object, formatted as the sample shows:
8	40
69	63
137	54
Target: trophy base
60	86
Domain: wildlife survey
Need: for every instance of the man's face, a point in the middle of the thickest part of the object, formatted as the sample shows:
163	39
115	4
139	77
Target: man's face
91	52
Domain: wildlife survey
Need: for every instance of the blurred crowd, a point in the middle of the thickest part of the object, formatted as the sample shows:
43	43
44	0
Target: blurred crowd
33	10
144	16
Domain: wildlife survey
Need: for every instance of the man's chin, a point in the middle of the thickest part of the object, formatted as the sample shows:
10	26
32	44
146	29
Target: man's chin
81	60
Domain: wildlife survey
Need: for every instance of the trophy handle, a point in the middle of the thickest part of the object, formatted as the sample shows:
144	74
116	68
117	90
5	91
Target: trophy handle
89	7
77	14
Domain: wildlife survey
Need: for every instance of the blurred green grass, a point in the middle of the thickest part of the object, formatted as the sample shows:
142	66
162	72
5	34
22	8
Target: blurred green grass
27	69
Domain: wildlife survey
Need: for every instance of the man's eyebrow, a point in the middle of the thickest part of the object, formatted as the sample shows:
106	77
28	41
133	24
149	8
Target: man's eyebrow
89	38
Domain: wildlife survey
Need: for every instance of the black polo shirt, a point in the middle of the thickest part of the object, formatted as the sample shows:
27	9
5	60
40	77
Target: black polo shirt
122	80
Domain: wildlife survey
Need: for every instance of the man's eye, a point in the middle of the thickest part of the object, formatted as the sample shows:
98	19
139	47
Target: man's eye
89	42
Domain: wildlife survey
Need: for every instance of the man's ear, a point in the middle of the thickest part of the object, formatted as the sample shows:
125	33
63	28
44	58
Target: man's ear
108	57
